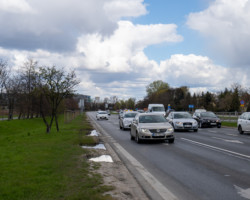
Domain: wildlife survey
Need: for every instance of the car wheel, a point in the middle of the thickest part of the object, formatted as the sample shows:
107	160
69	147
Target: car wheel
171	141
240	130
137	139
195	130
219	126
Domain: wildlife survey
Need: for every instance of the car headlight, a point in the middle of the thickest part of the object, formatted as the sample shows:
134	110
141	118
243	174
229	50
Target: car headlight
195	122
170	129
178	123
144	130
217	120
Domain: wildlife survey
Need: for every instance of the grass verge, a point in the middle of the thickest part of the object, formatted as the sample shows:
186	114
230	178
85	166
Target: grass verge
40	166
229	124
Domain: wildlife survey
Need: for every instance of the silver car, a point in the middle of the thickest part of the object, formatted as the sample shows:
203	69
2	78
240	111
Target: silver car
182	121
243	123
126	119
151	126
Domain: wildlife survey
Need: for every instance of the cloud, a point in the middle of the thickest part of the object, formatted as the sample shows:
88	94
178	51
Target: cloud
14	6
226	24
123	51
56	25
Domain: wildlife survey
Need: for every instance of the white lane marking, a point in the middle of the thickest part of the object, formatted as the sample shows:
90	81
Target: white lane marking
230	134
217	148
232	141
243	192
212	131
158	187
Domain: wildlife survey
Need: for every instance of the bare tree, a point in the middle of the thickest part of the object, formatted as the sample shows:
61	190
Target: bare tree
30	83
55	86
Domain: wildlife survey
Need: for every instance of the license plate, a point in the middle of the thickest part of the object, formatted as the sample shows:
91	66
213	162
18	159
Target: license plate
187	126
158	134
213	123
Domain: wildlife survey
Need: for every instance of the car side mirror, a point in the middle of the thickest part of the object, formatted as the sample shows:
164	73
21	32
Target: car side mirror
134	121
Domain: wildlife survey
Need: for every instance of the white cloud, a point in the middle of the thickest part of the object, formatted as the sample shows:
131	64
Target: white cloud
123	51
226	23
56	25
13	6
116	9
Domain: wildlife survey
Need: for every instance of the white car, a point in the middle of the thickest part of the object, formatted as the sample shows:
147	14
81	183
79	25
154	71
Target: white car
126	119
102	115
243	123
182	121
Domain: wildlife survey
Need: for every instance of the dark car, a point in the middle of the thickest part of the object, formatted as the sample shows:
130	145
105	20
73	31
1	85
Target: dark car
207	119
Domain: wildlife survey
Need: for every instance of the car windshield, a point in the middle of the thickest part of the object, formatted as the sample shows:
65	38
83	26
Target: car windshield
103	112
130	115
182	115
158	109
208	114
152	119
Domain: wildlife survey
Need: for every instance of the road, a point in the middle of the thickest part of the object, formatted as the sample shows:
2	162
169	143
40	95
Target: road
210	164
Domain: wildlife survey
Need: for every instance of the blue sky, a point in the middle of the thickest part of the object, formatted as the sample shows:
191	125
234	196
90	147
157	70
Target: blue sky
176	12
118	47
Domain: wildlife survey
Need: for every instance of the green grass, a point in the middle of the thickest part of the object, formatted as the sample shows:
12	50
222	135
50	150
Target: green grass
229	124
40	166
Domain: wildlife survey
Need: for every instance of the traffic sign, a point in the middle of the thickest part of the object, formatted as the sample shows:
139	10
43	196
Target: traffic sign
242	102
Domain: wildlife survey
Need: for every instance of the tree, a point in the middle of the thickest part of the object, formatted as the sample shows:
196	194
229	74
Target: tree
130	103
55	86
30	83
156	87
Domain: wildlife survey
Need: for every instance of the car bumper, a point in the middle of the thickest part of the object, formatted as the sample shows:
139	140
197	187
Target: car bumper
211	124
156	136
186	127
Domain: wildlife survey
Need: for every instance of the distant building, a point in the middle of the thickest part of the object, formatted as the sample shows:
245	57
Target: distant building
97	100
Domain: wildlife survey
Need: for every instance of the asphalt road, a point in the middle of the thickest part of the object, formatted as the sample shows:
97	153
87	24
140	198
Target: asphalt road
210	164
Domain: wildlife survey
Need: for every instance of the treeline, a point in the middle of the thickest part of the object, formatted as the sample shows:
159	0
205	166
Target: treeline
180	98
35	91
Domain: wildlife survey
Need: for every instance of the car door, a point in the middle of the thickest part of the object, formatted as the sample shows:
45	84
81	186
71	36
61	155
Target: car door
134	125
243	121
247	122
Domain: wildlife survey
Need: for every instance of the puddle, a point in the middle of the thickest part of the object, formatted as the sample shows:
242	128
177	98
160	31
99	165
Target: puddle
103	158
94	133
98	146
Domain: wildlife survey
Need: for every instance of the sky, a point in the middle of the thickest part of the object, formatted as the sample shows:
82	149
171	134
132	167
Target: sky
118	47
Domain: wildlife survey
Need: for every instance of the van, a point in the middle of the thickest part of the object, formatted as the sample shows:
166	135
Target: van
156	108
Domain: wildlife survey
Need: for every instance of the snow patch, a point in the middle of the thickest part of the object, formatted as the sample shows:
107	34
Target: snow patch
94	133
103	158
98	146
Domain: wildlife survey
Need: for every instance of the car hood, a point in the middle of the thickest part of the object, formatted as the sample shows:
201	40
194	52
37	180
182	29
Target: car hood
184	120
128	119
155	125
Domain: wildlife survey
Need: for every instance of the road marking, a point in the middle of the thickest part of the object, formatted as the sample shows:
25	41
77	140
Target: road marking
217	148
159	187
154	183
243	192
212	131
232	141
230	134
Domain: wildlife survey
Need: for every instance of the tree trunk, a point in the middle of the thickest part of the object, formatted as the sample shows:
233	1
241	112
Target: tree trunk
57	125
